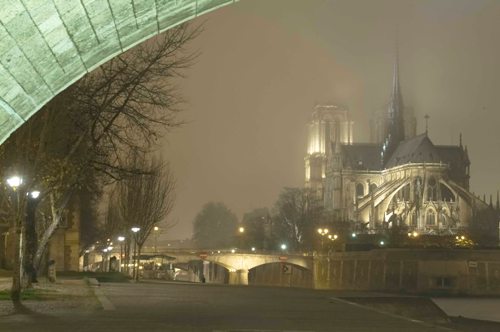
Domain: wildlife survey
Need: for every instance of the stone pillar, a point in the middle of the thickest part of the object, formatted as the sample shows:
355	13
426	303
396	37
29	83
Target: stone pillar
238	277
206	271
320	269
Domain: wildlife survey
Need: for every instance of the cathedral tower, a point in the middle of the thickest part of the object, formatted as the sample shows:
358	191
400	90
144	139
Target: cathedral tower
329	124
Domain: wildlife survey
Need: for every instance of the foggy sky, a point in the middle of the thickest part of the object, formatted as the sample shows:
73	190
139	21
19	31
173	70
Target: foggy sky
266	63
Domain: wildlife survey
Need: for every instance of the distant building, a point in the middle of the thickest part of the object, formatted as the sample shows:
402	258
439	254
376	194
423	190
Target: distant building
399	178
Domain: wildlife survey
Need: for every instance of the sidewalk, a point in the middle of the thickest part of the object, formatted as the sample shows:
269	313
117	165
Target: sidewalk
64	296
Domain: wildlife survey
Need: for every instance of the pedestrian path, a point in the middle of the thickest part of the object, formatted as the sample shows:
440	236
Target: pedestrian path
470	307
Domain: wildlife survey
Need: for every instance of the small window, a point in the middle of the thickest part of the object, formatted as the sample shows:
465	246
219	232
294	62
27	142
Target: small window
444	282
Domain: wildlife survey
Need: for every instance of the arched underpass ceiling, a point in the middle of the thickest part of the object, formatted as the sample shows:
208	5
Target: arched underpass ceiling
47	45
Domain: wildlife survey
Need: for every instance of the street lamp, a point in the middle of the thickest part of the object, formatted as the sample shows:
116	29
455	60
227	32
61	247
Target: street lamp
283	246
14	182
241	231
30	232
135	230
121	239
322	232
156	231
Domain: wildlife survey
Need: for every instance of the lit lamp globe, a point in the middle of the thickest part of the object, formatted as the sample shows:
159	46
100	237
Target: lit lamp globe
34	194
15	181
135	229
121	238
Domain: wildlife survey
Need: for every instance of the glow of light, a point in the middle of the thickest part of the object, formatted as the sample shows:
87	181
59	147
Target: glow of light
382	243
415	234
15	181
233	251
135	229
462	237
105	250
335	237
283	246
156	228
110	248
241	229
141	267
34	194
121	238
323	231
253	248
354	235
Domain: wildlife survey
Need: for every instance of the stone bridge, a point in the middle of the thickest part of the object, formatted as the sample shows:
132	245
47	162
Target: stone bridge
45	46
238	264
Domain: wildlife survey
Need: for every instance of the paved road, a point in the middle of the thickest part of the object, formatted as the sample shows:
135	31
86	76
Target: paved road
196	307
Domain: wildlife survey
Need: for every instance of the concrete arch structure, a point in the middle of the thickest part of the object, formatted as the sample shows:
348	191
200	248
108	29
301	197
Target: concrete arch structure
45	46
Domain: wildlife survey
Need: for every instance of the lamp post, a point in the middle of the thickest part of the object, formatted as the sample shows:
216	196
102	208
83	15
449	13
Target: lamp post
15	182
322	232
135	230
241	231
121	239
31	238
156	230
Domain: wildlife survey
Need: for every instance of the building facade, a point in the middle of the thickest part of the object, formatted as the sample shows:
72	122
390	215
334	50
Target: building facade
400	178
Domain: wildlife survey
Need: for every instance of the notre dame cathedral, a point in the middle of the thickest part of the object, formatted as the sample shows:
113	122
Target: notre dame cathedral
399	178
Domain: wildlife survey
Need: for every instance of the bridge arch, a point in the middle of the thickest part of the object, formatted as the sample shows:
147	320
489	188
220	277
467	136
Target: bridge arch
48	45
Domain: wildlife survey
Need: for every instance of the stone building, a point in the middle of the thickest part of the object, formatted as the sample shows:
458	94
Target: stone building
399	178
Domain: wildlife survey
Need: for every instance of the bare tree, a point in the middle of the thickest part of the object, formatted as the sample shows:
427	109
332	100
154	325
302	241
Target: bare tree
84	135
145	200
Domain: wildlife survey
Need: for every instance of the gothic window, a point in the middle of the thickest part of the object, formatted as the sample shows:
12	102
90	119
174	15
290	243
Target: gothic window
373	187
360	190
432	190
413	219
431	218
417	187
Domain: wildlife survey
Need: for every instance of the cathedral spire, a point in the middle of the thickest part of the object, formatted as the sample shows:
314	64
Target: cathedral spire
395	122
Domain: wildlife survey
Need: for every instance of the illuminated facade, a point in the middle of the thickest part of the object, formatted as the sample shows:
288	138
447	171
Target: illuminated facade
400	178
329	123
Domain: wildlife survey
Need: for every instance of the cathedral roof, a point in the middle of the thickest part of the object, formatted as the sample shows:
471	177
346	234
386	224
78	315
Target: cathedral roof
420	149
362	156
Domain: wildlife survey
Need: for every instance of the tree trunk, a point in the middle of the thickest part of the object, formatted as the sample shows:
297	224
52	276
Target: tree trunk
138	259
56	219
15	292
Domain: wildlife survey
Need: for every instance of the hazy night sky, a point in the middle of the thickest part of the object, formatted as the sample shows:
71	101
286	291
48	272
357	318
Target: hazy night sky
266	63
